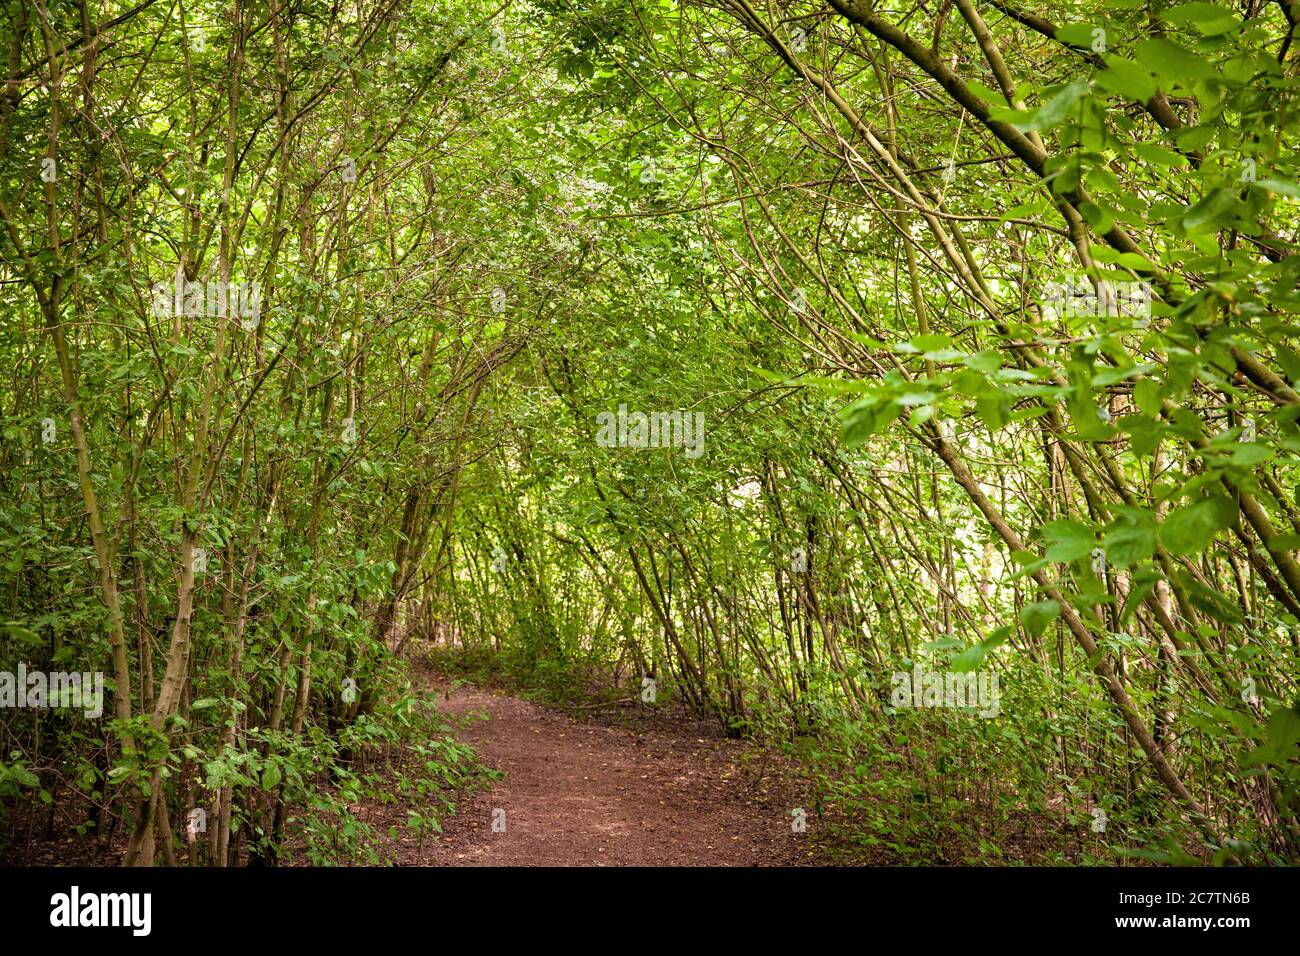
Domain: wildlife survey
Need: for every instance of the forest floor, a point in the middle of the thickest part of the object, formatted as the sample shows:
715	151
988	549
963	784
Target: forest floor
616	790
615	786
610	783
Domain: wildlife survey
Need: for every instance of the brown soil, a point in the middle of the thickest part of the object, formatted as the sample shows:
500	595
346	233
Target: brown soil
613	787
576	792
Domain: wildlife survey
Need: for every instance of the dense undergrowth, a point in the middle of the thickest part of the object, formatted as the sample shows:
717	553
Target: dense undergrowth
916	389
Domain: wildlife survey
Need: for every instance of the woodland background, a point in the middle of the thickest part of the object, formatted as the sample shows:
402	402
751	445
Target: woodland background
830	228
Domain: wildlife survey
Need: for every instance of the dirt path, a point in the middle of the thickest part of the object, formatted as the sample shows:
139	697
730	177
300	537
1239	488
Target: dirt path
579	793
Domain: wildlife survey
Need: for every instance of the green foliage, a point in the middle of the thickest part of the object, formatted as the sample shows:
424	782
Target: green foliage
996	371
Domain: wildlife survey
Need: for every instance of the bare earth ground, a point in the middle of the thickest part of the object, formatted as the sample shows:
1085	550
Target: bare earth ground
613	786
632	786
583	793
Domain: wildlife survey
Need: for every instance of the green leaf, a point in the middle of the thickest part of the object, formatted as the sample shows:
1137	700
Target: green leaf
1171	61
1208	18
1067	540
1129	544
24	776
1284	542
1283	186
24	634
973	657
1283	735
1142	585
1112	374
1289	359
1284	727
1198	12
1191	138
1212	210
987	362
1249	454
1190	529
993	410
1082	35
969	659
930	343
1144	433
941	644
867	417
1128	79
1209	601
1147	395
1037	616
1159	155
1056	109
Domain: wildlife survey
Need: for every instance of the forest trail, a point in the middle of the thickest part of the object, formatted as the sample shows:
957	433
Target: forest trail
583	793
